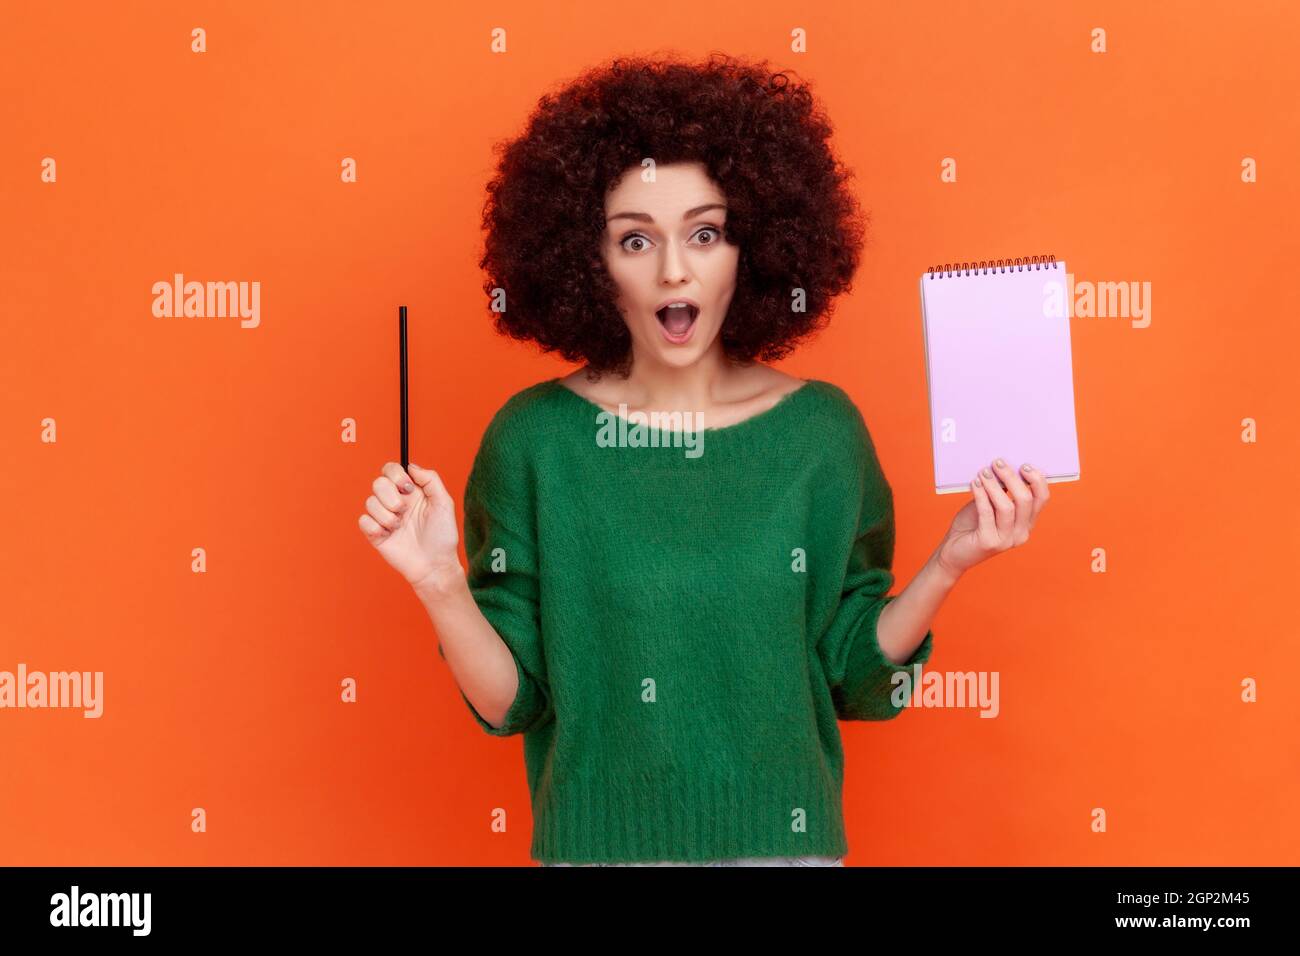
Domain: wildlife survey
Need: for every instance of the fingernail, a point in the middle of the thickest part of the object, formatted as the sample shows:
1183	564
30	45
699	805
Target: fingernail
988	473
408	486
1028	468
999	462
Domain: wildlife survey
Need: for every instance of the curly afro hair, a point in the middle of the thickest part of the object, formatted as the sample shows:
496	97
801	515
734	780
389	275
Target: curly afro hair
761	138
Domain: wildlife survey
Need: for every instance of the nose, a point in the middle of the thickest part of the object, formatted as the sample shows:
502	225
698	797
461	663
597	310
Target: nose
672	265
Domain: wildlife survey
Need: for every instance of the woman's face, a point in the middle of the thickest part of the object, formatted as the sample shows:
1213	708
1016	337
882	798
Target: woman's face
664	241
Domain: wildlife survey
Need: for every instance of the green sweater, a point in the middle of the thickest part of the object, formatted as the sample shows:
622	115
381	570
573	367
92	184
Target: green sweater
687	624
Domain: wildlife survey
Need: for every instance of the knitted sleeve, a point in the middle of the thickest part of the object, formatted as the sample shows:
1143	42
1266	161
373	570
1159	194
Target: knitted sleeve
858	671
502	574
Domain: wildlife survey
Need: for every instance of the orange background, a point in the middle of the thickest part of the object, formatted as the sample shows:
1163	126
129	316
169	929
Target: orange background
1119	690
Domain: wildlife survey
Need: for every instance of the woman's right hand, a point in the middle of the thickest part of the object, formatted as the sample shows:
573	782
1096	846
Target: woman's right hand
411	521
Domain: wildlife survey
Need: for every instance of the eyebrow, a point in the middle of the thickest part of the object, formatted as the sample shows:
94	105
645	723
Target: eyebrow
646	217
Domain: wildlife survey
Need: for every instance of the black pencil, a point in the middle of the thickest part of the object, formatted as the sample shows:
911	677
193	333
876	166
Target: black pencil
401	335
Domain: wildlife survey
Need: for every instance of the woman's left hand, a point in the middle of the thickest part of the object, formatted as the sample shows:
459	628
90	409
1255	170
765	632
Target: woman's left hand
994	520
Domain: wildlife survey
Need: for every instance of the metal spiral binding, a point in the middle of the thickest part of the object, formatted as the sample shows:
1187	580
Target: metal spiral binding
989	266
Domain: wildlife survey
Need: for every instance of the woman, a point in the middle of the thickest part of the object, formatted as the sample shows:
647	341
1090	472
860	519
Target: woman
676	611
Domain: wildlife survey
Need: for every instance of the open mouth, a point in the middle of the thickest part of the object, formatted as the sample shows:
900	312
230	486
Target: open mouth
678	319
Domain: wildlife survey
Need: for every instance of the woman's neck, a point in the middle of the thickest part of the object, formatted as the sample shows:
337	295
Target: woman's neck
713	380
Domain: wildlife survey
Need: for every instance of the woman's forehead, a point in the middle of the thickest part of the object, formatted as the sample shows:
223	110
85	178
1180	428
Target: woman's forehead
664	193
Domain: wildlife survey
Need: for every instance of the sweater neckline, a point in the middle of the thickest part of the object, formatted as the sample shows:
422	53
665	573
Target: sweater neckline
783	404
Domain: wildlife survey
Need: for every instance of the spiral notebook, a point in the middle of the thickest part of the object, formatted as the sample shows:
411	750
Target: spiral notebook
998	368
